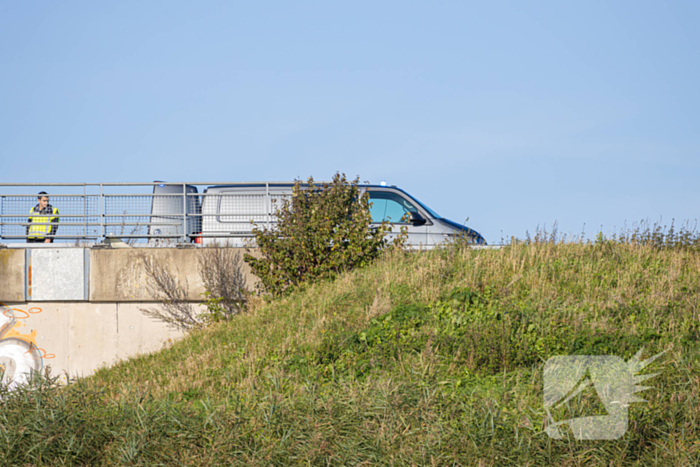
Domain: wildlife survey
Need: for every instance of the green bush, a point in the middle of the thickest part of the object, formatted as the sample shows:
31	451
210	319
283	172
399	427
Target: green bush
321	232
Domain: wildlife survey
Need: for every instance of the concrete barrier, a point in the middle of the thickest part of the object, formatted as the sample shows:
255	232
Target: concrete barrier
12	274
97	275
119	275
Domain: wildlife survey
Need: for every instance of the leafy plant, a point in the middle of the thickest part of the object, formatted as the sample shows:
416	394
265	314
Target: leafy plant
322	231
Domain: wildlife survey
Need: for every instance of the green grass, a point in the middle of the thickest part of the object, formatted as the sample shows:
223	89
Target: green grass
430	358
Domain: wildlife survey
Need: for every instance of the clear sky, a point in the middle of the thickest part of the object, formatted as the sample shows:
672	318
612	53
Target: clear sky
512	114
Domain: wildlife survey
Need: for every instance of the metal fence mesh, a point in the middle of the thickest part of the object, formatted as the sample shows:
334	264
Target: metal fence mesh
277	201
78	216
127	216
144	212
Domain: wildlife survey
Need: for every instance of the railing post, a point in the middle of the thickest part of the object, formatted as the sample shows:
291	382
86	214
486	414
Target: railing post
184	213
102	214
268	202
85	212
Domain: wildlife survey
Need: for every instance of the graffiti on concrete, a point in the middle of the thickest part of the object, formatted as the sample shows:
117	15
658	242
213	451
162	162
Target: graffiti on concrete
19	354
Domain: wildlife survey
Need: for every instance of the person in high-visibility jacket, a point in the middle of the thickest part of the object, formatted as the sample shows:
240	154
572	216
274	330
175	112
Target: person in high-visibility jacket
43	221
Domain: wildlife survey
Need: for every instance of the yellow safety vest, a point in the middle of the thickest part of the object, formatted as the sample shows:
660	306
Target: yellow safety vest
41	223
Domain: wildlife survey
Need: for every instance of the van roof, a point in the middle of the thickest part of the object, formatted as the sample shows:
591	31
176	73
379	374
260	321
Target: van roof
289	184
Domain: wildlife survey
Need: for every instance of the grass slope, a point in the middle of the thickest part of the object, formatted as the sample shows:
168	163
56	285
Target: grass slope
431	358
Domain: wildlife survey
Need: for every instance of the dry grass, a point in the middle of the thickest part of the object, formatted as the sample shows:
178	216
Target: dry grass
293	381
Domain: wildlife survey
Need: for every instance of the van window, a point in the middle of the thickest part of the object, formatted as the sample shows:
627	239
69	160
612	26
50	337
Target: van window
390	207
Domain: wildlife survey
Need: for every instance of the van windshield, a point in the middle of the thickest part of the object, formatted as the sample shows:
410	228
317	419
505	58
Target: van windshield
380	198
432	213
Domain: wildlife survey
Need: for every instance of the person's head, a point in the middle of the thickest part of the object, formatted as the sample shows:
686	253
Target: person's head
43	199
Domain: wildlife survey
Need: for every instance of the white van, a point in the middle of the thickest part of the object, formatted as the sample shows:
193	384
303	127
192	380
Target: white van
227	212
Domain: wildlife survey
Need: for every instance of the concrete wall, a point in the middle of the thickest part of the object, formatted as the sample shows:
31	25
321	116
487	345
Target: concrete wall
78	338
77	309
97	274
119	275
12	274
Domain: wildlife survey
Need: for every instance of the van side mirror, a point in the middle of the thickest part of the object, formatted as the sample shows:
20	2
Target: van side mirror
416	218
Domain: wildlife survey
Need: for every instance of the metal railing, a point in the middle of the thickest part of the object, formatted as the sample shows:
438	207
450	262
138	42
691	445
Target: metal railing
158	212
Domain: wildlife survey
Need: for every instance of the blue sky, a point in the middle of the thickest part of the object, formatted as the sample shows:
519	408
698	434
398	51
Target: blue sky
511	114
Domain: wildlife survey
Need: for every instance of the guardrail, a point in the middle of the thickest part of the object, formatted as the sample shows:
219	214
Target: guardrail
140	212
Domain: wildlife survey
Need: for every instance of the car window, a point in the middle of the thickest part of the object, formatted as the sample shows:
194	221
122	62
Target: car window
390	207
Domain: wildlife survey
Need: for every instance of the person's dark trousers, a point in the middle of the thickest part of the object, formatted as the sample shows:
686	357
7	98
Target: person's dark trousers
38	240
